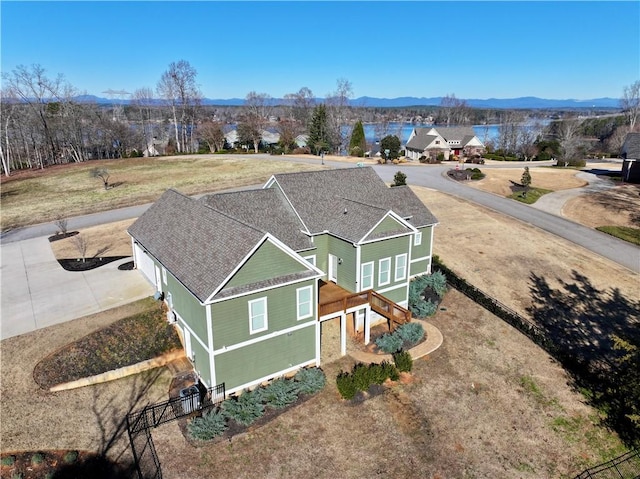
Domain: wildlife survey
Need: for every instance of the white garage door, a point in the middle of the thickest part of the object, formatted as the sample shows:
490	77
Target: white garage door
145	264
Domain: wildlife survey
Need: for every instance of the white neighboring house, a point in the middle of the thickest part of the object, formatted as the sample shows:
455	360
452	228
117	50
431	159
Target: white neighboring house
460	140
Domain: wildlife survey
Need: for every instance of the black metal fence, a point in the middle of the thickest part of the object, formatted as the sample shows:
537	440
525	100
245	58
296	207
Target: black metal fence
522	324
626	466
139	424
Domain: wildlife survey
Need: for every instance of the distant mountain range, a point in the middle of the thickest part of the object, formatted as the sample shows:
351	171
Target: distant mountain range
526	102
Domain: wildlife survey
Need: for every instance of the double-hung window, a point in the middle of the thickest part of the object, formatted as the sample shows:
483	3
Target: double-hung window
417	239
384	271
304	300
366	276
258	320
401	267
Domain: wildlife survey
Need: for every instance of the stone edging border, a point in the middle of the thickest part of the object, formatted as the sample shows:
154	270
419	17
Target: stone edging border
120	372
434	341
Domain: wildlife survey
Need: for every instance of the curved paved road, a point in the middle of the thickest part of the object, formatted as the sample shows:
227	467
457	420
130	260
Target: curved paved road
432	176
616	250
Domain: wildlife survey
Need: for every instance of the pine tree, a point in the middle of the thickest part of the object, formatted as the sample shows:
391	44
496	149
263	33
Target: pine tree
358	144
319	131
526	180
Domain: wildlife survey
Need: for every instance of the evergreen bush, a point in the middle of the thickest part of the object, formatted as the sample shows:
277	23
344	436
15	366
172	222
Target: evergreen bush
279	393
389	343
310	380
439	283
244	409
410	333
390	370
37	458
403	361
8	460
70	457
346	386
212	424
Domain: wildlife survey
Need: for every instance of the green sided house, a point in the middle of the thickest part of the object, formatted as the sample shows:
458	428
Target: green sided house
248	277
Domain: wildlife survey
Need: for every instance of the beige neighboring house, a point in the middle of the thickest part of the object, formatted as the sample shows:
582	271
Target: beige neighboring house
460	140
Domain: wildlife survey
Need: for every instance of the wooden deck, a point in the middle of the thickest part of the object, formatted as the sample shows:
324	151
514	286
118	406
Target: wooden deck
335	299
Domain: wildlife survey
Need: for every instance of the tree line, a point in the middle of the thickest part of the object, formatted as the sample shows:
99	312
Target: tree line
45	122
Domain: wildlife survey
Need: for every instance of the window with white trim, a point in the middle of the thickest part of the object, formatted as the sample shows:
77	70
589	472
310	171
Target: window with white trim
304	300
258	315
384	271
311	259
417	239
366	276
164	275
401	267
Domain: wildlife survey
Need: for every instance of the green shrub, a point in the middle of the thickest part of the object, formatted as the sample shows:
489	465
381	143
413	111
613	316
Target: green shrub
212	424
310	380
17	475
279	393
438	283
244	409
389	343
346	385
403	361
411	333
8	460
37	459
70	457
390	371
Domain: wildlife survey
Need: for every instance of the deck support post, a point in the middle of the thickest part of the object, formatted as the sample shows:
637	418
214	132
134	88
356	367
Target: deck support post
343	334
367	325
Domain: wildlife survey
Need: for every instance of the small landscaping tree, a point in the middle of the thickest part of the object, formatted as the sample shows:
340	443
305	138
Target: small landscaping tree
61	223
526	181
357	144
399	179
101	173
81	244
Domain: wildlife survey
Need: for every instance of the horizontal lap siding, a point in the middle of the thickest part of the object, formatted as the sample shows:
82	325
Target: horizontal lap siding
388	225
267	262
201	360
187	306
231	317
386	249
422	251
346	270
419	267
265	358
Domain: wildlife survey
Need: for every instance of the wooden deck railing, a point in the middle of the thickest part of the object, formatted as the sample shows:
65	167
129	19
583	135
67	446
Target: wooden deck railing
396	314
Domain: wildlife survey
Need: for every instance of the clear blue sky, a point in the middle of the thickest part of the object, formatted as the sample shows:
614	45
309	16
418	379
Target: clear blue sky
559	50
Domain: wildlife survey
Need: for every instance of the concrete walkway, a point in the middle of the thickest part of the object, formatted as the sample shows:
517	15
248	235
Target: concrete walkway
554	202
434	341
37	292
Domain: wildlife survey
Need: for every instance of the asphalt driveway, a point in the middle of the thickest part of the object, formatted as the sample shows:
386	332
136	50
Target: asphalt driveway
37	292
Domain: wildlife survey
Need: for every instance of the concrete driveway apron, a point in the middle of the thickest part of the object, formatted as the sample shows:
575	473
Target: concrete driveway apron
37	292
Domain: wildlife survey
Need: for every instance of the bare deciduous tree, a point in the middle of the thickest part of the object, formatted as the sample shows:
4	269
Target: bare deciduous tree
301	104
212	134
177	86
257	108
81	244
337	105
630	103
101	173
454	110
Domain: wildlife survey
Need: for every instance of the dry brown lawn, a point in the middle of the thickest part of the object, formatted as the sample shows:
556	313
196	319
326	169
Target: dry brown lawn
69	190
104	240
498	180
488	403
619	206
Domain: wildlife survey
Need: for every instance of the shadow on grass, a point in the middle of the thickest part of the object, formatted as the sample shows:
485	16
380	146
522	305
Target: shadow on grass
582	323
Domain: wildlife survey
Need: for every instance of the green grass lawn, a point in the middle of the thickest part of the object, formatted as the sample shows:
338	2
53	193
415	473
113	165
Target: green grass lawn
632	235
139	337
69	190
531	197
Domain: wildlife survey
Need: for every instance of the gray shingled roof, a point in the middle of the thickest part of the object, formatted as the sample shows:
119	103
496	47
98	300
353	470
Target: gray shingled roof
421	140
463	134
266	210
199	245
631	146
320	197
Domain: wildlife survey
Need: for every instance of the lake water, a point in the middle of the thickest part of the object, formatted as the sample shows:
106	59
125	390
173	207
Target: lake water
484	133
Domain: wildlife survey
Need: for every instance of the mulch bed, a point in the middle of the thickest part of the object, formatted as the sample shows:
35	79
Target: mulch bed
77	264
61	236
62	464
233	428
